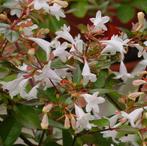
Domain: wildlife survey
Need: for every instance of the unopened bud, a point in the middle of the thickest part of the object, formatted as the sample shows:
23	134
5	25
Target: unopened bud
44	122
134	95
47	108
63	4
67	122
31	51
73	121
138	82
3	17
140	16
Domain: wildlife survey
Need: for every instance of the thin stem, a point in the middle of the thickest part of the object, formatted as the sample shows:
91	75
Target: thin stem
26	140
54	86
41	139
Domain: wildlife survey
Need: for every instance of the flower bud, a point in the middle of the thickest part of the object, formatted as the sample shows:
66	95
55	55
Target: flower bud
31	51
73	121
134	95
67	122
47	108
3	17
138	82
140	16
44	122
63	4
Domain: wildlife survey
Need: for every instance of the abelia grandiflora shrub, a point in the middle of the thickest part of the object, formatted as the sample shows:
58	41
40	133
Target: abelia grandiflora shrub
63	90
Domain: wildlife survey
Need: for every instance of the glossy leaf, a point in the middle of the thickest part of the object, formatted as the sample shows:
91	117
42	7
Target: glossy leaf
27	116
10	131
67	138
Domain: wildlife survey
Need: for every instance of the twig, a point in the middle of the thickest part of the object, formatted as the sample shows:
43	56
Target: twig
41	138
26	140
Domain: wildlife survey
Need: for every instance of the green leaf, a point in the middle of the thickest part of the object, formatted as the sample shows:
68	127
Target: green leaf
140	4
96	138
77	75
27	116
4	27
101	122
101	79
67	138
114	97
52	23
80	8
55	124
125	13
12	36
57	63
10	130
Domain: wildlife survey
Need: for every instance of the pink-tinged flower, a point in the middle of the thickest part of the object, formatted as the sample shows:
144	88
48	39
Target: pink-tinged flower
131	138
87	75
60	51
73	121
93	102
138	82
45	45
115	44
47	108
134	95
66	122
56	10
99	21
64	33
44	122
123	74
83	119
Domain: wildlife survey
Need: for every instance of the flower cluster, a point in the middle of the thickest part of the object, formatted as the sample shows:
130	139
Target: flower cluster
69	78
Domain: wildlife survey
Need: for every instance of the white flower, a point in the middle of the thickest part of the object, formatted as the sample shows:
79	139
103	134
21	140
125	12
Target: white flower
56	11
116	44
78	45
93	101
141	50
123	74
87	75
110	133
134	117
12	86
99	21
41	4
145	43
83	119
64	33
60	51
48	76
32	94
45	45
131	138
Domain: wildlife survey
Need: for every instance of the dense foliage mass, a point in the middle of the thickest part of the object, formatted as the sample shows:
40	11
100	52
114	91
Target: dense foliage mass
59	89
